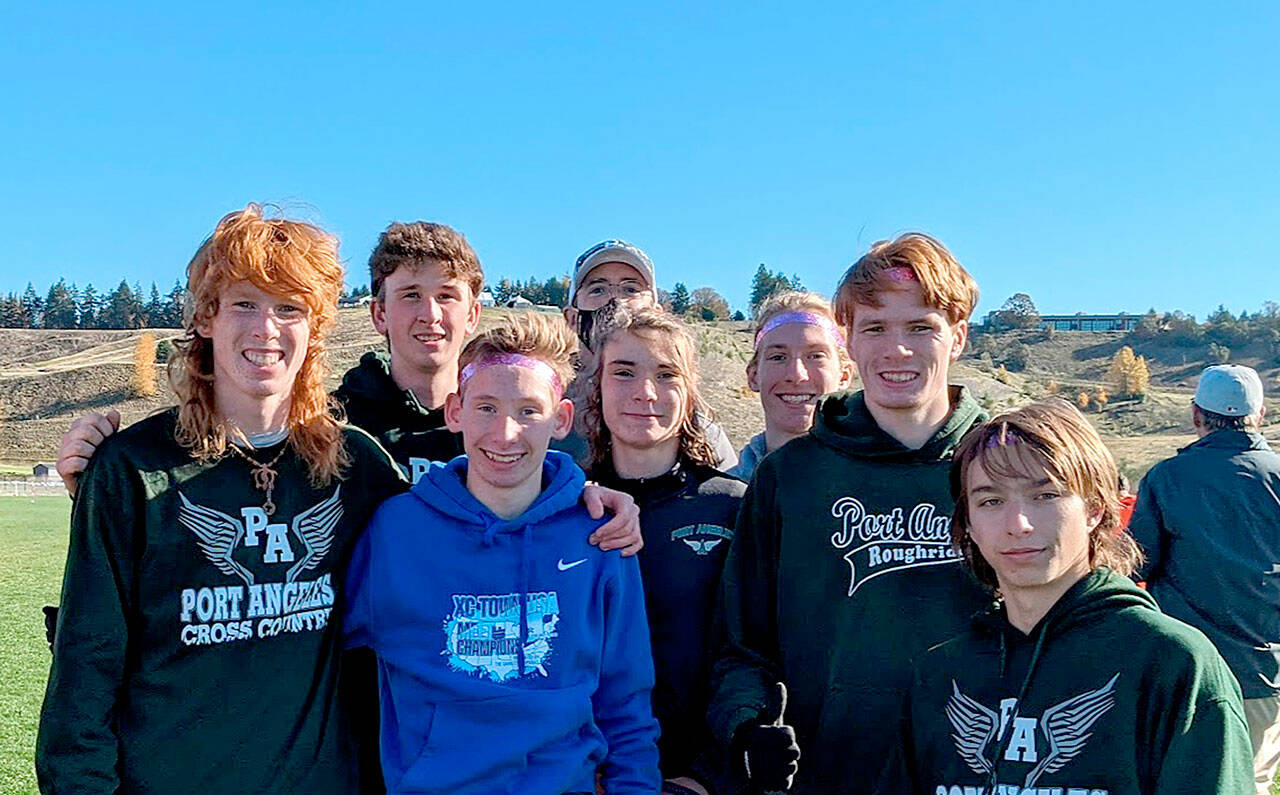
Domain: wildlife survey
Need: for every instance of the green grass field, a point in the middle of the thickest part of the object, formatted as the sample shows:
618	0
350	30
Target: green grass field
33	535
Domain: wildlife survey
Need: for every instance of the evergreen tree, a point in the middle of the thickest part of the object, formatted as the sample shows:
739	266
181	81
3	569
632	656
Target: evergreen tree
155	308
679	299
59	309
176	302
121	308
90	306
32	308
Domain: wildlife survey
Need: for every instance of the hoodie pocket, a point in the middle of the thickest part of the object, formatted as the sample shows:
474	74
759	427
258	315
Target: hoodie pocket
488	745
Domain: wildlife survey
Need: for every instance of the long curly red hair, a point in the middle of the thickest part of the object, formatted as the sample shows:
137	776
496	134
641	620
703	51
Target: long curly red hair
284	257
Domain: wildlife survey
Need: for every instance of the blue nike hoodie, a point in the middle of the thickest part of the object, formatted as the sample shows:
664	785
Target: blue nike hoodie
513	656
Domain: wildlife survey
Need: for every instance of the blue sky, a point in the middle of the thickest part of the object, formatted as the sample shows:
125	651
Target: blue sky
1099	158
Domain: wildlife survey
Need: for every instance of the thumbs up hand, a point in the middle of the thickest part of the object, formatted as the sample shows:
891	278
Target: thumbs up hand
769	747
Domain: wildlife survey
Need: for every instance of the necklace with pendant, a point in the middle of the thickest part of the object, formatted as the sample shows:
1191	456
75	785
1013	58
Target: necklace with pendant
264	474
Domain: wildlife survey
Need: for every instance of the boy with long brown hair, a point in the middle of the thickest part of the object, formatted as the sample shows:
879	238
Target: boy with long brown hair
1074	681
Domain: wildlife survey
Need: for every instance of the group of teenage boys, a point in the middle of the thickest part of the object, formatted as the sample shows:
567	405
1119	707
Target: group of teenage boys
197	648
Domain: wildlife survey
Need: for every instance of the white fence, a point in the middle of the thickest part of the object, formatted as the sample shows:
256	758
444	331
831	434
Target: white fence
32	488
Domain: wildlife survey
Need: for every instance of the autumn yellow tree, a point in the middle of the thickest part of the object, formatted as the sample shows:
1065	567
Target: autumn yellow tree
143	382
1128	375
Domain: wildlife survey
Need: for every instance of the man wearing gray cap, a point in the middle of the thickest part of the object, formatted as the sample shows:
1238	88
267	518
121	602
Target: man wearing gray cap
1209	522
615	270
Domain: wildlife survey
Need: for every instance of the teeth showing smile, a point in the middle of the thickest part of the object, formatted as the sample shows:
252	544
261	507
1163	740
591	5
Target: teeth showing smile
797	400
263	359
428	337
898	378
502	459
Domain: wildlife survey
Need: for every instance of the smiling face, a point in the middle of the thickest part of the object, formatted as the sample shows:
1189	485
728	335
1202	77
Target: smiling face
259	344
425	316
643	395
903	350
797	363
507	415
1031	530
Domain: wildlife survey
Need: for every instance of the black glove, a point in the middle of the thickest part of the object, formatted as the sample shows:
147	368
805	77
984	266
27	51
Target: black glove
50	623
769	747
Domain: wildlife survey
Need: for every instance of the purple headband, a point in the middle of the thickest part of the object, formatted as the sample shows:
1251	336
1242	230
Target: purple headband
805	318
901	273
515	360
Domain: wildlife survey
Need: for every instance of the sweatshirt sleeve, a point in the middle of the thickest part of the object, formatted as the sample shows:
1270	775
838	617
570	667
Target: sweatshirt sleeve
622	702
1148	530
747	663
357	611
77	747
1210	751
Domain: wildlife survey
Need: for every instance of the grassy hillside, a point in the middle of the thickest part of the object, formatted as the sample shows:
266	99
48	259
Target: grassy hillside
49	377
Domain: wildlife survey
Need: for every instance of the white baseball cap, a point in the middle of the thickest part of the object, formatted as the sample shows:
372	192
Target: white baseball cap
1232	390
613	251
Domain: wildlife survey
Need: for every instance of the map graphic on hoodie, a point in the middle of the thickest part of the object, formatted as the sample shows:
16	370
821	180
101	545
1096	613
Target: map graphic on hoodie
483	634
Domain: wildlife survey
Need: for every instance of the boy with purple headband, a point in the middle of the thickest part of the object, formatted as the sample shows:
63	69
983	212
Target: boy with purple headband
799	357
513	656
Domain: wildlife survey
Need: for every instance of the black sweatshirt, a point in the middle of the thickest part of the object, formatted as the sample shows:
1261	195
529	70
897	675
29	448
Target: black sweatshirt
686	516
415	436
197	647
1104	695
842	574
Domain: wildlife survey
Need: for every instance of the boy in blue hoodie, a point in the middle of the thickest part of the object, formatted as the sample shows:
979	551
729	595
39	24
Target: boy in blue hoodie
513	656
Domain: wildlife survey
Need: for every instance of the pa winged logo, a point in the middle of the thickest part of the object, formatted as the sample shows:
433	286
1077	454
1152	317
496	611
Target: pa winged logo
219	535
702	537
1066	728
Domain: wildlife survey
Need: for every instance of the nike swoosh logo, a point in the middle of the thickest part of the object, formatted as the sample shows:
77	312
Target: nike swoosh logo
562	566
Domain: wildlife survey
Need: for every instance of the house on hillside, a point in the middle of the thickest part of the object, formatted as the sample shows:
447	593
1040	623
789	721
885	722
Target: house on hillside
486	298
1077	322
44	471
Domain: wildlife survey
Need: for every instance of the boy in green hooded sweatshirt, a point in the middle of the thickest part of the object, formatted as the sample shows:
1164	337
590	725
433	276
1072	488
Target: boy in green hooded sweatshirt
842	572
1074	682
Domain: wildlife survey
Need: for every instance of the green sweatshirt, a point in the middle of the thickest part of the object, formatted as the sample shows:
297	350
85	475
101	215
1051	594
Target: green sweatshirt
197	645
1105	696
841	574
415	436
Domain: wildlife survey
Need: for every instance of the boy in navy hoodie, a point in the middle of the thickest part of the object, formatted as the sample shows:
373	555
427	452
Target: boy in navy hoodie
513	656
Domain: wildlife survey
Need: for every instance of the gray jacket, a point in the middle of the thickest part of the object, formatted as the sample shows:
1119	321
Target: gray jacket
1209	522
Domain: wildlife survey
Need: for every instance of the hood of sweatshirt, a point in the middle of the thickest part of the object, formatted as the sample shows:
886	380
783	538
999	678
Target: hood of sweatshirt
444	488
844	422
1228	439
371	381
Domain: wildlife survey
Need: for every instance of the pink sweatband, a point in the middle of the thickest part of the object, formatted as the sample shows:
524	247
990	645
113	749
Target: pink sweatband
515	360
804	318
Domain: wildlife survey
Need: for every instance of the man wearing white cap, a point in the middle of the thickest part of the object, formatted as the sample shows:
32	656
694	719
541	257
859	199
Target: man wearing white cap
1209	522
615	270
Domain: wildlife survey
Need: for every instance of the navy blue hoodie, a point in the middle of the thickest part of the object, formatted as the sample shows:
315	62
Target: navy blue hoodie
513	657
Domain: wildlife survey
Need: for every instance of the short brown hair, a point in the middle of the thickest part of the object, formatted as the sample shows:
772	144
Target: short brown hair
792	301
414	245
946	285
1053	435
540	336
615	319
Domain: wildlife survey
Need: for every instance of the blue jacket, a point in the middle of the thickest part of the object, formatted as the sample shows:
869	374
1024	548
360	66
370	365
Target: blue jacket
1209	521
513	656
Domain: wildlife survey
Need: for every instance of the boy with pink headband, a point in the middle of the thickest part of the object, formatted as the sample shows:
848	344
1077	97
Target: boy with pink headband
513	656
799	357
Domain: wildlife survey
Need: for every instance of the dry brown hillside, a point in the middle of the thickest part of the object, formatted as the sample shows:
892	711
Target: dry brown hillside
49	377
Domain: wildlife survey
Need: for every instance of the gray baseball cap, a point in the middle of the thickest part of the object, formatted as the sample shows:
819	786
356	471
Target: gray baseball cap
1232	390
612	251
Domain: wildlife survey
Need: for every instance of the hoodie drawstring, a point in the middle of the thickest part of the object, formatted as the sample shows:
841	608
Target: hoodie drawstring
1022	692
524	597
